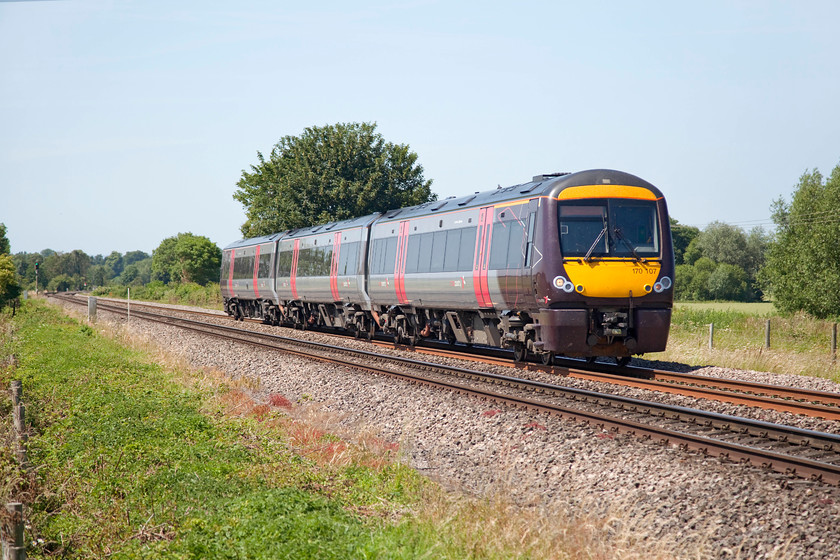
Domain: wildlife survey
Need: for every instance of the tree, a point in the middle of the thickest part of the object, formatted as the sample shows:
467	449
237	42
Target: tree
134	257
115	262
728	282
682	235
803	262
187	258
329	173
9	288
5	246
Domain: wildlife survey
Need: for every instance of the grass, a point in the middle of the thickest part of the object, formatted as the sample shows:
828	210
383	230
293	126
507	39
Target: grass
137	456
799	344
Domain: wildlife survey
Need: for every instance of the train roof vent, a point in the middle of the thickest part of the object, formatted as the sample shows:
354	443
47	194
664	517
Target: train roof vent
545	176
329	226
394	213
531	187
467	201
441	205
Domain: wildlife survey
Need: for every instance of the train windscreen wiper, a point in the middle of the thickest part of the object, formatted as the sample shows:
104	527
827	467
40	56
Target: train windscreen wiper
588	256
629	245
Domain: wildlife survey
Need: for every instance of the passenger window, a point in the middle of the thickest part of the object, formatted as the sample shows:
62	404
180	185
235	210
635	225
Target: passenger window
389	265
438	251
425	262
516	245
265	265
499	246
467	253
453	248
352	265
412	254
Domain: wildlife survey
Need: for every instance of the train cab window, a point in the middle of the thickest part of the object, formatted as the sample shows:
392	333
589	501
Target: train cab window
636	222
583	230
609	228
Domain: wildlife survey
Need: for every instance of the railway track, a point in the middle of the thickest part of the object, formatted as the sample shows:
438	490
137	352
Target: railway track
786	449
817	404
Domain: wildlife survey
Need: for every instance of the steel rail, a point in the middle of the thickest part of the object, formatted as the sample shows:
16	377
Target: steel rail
816	404
800	466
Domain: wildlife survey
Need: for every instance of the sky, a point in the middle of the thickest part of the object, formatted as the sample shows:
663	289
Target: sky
123	123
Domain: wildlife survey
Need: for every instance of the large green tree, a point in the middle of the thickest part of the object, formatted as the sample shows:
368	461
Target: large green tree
329	173
803	262
187	258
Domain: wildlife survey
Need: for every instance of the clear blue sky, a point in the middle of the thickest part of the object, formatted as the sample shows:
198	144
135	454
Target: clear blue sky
123	123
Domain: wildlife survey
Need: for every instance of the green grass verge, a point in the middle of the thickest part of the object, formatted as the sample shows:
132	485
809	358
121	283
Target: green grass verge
132	463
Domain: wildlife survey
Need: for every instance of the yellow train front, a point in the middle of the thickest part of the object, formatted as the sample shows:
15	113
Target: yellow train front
608	291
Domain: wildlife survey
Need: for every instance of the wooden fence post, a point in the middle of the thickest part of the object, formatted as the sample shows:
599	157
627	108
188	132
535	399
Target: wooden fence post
19	421
767	334
12	533
16	389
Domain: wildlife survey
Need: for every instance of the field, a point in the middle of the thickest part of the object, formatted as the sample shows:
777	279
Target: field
799	344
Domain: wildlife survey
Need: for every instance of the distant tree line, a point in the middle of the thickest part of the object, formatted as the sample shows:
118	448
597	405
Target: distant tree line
721	262
180	259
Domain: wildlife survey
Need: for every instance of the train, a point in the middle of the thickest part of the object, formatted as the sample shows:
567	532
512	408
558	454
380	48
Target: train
568	264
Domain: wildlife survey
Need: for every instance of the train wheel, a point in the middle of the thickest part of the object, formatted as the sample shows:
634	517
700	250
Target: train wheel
622	361
547	358
519	352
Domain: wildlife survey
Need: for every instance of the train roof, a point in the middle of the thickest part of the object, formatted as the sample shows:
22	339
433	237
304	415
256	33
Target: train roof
550	184
254	241
541	185
331	226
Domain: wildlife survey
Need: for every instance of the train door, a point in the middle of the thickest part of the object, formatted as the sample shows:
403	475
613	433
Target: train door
334	266
482	257
399	267
293	274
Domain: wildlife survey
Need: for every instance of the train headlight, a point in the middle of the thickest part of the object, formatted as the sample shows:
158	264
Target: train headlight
663	284
562	284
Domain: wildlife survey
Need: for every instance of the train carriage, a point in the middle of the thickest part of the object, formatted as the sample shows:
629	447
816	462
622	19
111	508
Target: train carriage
247	278
321	273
